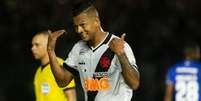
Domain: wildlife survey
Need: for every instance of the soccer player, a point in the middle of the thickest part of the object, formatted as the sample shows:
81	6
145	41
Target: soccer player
102	64
46	88
184	78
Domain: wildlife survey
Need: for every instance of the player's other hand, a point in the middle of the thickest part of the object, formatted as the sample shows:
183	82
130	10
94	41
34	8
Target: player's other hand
52	39
117	44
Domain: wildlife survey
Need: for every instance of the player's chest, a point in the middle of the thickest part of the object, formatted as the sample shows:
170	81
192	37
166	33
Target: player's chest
90	62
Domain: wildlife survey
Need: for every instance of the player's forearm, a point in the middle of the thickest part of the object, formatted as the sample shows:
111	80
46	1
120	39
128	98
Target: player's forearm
57	70
62	76
168	92
129	73
167	99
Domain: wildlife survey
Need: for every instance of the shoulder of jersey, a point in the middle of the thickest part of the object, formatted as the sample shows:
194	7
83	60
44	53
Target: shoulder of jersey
80	43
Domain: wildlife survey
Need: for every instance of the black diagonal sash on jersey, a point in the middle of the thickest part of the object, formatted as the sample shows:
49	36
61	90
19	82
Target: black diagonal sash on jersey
105	42
110	55
79	90
102	66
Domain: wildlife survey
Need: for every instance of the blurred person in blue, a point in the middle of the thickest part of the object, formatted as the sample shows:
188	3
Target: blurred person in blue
183	79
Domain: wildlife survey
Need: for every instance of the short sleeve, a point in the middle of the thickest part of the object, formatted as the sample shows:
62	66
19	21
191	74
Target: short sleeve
72	58
170	76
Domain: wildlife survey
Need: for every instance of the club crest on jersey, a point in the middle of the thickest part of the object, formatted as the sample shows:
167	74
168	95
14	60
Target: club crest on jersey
105	62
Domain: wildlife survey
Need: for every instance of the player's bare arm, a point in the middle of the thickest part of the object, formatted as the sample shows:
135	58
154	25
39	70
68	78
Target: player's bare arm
168	92
62	76
129	73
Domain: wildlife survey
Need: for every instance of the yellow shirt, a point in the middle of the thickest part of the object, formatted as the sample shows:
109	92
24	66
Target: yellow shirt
46	88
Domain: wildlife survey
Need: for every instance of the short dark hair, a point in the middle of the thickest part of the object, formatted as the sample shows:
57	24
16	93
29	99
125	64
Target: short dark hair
82	6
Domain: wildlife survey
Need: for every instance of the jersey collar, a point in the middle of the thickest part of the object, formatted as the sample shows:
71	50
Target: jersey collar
104	41
43	66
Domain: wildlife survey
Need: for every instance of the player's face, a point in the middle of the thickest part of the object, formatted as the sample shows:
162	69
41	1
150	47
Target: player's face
86	26
39	46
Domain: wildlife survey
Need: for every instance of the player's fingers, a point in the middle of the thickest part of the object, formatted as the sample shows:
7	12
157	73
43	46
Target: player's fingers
58	33
61	31
123	36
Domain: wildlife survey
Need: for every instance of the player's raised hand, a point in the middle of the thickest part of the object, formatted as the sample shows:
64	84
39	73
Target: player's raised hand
117	44
56	34
52	39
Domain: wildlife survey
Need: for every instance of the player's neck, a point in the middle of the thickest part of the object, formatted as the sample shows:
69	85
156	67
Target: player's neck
45	60
99	37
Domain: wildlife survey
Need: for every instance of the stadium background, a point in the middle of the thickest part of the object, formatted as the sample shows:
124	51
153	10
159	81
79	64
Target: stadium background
156	30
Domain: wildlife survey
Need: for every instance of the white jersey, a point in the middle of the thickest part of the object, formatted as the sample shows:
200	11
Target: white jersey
97	72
